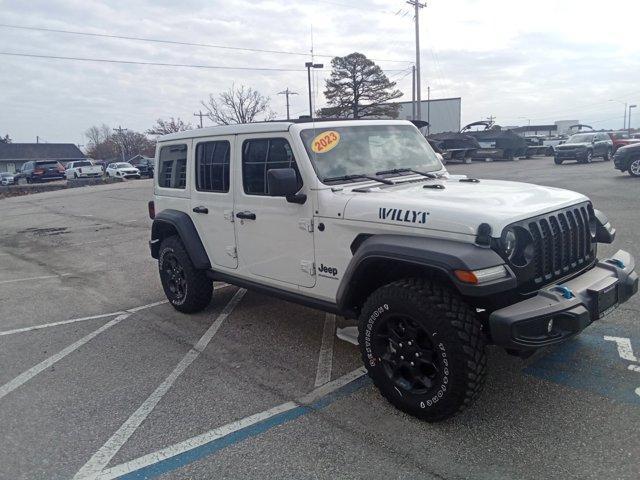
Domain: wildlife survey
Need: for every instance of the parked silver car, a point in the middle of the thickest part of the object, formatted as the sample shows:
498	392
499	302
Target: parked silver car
7	178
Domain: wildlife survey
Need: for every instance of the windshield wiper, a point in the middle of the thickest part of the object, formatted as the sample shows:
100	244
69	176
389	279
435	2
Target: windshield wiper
359	175
403	170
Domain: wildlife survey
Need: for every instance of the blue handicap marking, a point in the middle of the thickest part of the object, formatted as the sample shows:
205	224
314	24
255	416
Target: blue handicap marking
601	360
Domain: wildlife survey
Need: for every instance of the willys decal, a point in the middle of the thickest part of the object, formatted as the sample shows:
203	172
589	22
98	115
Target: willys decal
400	215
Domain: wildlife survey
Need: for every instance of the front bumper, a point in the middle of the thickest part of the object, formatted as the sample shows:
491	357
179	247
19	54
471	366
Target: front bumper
559	312
621	162
570	154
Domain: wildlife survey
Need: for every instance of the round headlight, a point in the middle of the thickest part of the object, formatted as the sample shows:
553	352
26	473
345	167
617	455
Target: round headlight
510	243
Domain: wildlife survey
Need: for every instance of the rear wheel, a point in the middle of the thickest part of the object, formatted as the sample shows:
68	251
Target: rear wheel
188	289
607	155
557	161
634	167
423	348
588	157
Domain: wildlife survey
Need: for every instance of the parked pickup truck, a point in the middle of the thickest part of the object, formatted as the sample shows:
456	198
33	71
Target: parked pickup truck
82	169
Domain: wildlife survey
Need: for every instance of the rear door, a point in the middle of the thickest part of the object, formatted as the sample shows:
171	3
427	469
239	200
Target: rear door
212	198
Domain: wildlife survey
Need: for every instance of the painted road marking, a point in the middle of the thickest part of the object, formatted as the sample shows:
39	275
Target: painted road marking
103	456
589	363
42	277
33	371
325	359
195	448
93	317
624	348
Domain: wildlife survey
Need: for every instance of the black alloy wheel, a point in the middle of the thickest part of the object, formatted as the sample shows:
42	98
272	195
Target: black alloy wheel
174	275
408	355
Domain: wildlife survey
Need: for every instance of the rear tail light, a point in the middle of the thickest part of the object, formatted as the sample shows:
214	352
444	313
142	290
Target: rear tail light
152	210
38	171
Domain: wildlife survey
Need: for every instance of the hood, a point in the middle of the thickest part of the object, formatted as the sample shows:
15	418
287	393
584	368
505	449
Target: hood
574	145
459	207
629	148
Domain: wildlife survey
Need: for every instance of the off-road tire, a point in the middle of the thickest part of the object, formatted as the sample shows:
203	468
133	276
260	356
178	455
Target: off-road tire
448	324
557	161
198	288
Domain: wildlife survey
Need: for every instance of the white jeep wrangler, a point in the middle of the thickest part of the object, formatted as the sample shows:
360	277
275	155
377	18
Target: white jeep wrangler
361	219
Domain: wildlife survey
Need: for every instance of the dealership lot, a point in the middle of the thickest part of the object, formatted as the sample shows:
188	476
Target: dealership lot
101	378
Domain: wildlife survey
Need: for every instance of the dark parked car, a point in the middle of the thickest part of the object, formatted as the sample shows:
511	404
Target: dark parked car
42	171
627	159
583	147
145	165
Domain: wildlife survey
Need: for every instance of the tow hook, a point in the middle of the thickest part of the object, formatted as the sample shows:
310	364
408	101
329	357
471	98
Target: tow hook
565	291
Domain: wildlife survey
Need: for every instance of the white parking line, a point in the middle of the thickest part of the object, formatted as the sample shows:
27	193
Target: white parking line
33	371
102	457
325	359
624	348
55	324
43	277
216	433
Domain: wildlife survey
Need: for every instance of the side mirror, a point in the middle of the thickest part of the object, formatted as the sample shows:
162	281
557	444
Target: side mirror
283	182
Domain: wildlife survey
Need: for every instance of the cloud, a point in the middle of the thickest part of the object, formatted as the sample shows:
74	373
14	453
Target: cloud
545	61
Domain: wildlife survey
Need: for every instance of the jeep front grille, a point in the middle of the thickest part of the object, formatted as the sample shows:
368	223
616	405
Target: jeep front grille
562	243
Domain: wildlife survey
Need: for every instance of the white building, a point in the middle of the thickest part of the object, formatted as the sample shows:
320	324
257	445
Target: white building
443	114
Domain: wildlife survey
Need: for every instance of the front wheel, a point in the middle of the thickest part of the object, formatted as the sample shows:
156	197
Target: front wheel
557	161
423	348
188	289
634	168
588	157
607	156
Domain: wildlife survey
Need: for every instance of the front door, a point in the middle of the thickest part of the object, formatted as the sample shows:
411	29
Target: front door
212	198
275	238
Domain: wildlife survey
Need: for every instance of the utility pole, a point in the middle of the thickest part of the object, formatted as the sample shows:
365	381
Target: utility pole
629	123
120	130
625	112
413	92
417	6
428	110
200	114
287	92
309	66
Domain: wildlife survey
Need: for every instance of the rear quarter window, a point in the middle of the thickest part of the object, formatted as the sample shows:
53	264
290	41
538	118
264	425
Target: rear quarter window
172	166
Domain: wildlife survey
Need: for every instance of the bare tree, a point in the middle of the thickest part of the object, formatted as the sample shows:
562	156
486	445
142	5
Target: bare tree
5	139
100	143
238	105
163	127
106	144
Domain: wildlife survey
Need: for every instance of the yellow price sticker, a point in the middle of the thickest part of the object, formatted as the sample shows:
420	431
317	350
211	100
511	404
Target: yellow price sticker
325	141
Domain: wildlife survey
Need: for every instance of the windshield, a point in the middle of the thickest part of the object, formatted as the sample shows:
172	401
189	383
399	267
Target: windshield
621	135
123	165
82	164
580	138
355	150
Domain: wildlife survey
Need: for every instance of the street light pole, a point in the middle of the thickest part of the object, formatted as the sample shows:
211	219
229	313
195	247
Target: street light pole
629	127
624	125
309	66
417	6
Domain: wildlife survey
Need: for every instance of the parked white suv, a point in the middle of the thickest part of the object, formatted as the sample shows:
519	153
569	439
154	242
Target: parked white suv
122	170
361	219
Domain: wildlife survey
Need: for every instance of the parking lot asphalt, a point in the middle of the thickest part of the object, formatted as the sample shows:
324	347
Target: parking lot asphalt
100	378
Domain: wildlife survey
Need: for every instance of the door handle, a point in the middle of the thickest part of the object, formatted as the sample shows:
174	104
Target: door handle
246	215
200	210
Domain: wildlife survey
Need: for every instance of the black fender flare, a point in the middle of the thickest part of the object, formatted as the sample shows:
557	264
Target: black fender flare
441	255
173	220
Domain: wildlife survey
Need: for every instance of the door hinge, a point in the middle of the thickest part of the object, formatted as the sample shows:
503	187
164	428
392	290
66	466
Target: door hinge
232	252
306	224
228	215
309	267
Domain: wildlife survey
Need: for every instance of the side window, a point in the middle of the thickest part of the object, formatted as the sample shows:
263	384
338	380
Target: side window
173	167
261	155
212	166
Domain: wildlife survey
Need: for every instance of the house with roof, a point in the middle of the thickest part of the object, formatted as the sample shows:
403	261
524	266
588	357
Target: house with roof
13	155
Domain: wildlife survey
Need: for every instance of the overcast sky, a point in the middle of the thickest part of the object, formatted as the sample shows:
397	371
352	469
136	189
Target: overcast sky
542	60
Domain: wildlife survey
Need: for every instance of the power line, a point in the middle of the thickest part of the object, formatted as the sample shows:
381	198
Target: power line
175	42
158	64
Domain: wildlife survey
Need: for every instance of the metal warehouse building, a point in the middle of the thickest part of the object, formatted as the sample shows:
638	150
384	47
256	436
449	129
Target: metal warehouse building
443	114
